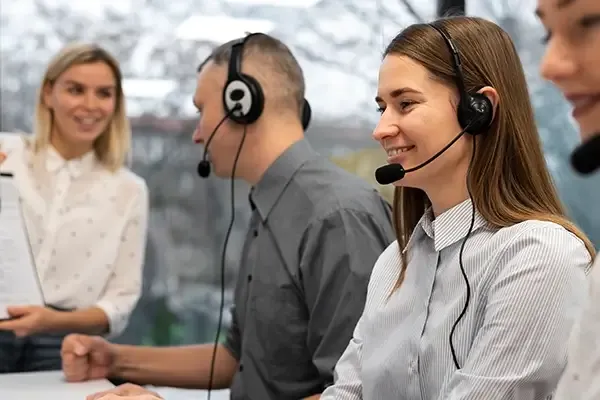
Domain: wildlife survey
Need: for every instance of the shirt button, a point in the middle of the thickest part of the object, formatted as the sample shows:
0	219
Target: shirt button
255	233
249	278
241	367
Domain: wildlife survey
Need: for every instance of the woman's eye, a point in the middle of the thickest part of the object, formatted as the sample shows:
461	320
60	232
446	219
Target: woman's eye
405	104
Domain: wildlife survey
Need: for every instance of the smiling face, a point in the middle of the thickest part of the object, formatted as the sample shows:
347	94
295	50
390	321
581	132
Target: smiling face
572	57
83	101
418	119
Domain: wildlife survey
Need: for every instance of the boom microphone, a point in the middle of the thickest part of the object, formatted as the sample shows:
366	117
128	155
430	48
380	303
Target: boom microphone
204	165
394	172
585	159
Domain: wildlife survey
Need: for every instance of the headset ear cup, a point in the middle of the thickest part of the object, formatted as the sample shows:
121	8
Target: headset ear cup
476	112
306	114
257	102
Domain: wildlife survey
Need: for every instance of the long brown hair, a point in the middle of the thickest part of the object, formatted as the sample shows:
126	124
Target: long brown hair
509	179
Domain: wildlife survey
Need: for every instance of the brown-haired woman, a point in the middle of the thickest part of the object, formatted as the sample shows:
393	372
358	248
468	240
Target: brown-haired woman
476	298
86	212
571	63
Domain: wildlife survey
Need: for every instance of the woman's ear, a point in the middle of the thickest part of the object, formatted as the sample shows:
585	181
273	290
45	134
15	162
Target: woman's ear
491	94
47	95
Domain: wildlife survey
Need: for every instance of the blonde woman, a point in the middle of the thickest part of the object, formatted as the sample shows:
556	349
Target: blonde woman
85	212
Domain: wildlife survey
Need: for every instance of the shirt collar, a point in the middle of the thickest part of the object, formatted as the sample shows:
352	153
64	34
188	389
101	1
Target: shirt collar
75	167
450	226
269	189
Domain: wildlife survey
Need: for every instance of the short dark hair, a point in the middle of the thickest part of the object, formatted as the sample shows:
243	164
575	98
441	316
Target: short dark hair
274	66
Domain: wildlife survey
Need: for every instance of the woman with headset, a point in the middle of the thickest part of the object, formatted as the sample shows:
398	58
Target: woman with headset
571	63
476	297
85	212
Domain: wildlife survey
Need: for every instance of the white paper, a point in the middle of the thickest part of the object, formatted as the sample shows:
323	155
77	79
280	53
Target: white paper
19	283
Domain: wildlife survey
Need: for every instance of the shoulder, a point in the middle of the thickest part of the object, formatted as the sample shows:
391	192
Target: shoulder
385	274
539	234
130	184
595	279
386	268
596	268
329	190
542	243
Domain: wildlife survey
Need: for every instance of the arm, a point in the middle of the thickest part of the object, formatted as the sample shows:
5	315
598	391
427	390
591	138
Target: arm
125	284
520	349
337	258
348	385
183	366
90	320
92	357
186	367
581	378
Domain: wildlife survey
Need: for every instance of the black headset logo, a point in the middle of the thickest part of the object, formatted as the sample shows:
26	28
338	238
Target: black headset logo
474	110
243	97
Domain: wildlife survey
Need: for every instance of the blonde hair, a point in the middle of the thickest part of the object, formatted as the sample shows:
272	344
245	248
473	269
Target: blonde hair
113	145
509	179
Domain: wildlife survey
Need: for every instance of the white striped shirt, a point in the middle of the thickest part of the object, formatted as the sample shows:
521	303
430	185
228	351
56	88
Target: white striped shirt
581	380
526	285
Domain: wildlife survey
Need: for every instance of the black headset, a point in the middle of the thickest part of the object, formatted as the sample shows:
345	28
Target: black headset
474	110
475	115
243	97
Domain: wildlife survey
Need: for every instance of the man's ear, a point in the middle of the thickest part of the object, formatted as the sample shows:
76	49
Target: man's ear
491	94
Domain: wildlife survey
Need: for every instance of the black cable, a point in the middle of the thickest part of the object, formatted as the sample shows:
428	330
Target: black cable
460	260
223	258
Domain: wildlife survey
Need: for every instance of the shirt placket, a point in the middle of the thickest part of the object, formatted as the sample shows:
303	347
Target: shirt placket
417	388
55	211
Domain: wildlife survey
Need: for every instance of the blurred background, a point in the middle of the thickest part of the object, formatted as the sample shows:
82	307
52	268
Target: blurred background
160	44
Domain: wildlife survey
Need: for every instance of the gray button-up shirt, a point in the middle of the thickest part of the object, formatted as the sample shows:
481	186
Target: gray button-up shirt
315	234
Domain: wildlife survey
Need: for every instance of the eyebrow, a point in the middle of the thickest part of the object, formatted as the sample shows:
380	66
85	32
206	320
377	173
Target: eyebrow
396	93
72	82
559	4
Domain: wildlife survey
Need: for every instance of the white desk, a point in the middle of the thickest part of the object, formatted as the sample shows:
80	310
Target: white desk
46	386
52	386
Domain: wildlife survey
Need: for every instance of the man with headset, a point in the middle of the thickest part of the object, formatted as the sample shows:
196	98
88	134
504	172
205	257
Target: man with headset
315	233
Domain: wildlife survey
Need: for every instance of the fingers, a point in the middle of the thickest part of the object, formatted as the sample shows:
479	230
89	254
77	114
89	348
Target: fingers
19	311
75	353
2	157
75	369
141	397
19	326
128	391
76	344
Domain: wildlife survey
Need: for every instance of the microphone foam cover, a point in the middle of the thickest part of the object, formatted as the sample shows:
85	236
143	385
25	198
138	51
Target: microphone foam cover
389	174
204	168
586	157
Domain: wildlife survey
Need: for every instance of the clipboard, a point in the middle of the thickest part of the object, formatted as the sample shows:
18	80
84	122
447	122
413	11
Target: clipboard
19	280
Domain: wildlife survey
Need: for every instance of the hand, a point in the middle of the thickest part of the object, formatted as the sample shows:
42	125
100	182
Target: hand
140	397
2	157
86	358
126	391
29	320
